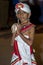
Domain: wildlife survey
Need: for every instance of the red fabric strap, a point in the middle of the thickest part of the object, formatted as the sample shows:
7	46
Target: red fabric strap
16	51
27	27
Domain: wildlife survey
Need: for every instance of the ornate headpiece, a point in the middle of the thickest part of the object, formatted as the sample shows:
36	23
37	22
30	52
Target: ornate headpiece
23	7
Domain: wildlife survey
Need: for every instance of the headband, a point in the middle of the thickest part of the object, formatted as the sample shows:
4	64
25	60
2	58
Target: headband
24	7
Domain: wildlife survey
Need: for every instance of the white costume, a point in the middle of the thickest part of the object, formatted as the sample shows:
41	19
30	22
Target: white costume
22	52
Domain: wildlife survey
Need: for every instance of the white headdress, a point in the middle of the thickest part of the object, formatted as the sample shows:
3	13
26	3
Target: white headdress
23	7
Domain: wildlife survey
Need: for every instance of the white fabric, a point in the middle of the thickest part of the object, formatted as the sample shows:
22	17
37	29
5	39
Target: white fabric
24	50
14	57
14	28
26	36
26	8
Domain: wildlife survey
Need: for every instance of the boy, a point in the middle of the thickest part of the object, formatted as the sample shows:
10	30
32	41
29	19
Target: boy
23	34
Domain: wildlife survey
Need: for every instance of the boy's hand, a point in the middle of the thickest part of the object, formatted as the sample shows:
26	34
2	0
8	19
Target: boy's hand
18	28
18	31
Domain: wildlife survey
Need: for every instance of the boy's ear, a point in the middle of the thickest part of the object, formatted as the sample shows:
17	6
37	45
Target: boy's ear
29	15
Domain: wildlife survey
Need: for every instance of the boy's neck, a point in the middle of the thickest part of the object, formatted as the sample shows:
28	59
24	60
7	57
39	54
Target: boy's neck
25	22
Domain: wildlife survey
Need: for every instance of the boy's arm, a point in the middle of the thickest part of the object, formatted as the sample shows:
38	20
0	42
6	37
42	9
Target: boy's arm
31	35
29	41
13	38
13	30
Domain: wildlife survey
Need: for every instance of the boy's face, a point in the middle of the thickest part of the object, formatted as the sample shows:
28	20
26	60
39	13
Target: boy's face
22	15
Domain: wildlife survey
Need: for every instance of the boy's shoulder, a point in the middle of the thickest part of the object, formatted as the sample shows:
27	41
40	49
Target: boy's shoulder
14	24
14	27
31	25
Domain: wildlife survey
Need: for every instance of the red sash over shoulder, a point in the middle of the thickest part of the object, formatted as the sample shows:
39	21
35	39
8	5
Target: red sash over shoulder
27	27
16	50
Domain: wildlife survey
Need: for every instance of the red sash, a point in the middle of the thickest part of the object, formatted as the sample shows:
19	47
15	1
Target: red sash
27	27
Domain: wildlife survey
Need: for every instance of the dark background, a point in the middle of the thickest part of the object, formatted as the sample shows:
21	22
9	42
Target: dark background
7	18
7	15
